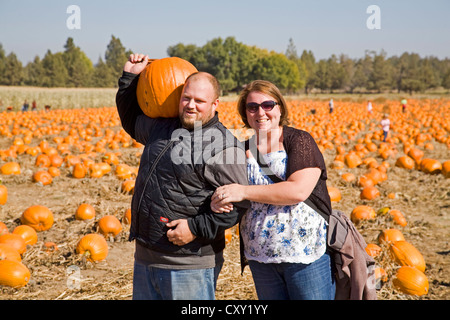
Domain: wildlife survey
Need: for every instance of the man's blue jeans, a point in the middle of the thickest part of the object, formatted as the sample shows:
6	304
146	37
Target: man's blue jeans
150	283
294	281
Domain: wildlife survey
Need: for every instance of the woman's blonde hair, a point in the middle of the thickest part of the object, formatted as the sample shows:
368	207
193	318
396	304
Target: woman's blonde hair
265	87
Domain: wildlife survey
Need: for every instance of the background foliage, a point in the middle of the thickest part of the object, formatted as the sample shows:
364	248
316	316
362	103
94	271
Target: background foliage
235	64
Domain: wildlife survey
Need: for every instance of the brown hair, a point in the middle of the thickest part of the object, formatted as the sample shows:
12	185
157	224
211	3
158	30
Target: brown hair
267	88
212	80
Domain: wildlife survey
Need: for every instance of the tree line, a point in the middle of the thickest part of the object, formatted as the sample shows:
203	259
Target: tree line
235	64
69	68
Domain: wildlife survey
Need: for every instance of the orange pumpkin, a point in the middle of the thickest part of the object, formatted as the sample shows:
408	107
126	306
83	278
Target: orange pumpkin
431	166
362	212
79	171
38	217
334	193
71	160
13	274
85	211
15	241
42	176
365	181
56	160
10	168
390	236
124	171
109	226
93	246
348	177
411	281
111	158
127	216
50	247
373	249
375	175
446	169
370	162
54	171
27	233
338	165
380	274
228	236
128	186
3	194
160	85
369	193
405	162
352	160
104	167
405	254
416	154
3	228
398	217
43	161
8	252
95	171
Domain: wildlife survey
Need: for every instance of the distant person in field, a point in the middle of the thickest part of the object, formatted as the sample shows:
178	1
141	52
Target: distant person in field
25	106
179	240
331	105
33	105
284	239
385	123
369	107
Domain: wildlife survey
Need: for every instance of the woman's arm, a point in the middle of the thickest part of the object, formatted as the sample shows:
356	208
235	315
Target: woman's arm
296	189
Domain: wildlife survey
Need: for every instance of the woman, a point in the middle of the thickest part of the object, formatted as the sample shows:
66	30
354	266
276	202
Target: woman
284	239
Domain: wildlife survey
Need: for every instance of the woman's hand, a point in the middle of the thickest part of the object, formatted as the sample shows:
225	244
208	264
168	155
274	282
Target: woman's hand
221	200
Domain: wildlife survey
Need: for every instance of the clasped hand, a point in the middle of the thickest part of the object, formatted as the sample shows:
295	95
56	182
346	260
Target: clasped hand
179	234
221	200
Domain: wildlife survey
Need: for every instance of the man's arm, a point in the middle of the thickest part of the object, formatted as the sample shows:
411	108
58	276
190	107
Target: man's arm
126	100
208	224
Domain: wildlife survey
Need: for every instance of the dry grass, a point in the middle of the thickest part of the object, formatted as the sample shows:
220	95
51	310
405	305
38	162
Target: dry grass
70	98
57	98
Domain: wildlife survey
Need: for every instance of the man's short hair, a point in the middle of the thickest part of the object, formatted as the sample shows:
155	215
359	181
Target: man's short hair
213	80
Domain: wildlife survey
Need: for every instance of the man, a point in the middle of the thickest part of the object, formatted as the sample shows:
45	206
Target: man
179	240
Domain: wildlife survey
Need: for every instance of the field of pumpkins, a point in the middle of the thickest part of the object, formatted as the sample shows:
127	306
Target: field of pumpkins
67	177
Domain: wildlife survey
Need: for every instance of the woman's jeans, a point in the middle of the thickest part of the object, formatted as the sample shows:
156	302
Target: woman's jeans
294	281
150	283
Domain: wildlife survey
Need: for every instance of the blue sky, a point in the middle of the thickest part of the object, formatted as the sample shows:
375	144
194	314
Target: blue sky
326	27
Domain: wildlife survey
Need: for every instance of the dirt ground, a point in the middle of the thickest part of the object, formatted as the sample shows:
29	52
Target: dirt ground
61	275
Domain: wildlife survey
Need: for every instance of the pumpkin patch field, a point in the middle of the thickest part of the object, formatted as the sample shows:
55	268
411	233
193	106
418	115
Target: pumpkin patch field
67	178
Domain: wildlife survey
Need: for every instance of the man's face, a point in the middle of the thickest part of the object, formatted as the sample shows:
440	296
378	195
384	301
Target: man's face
197	102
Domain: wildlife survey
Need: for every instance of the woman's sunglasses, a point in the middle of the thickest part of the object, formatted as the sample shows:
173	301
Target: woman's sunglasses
253	107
